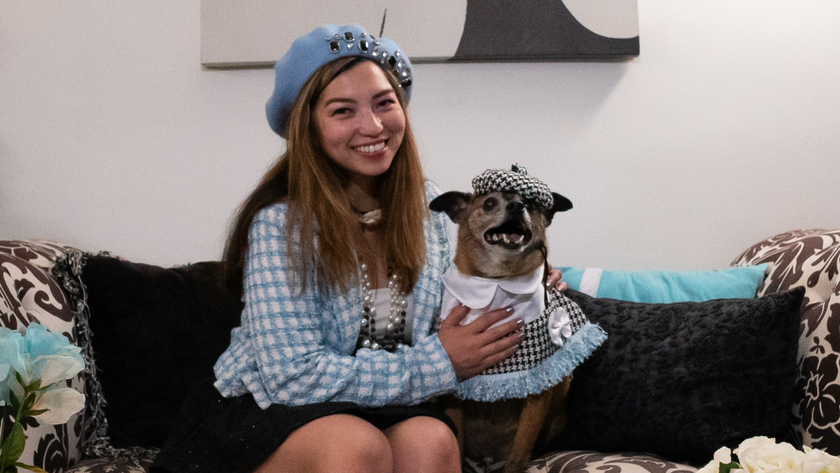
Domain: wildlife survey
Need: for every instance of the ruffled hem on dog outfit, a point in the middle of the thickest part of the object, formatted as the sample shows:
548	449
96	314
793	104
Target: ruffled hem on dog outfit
548	373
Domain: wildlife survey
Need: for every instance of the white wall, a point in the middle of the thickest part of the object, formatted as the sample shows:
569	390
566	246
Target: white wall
724	131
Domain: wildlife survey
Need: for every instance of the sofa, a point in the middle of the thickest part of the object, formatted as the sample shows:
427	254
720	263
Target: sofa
676	379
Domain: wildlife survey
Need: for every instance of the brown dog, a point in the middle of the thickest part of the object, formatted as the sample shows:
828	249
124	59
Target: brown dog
500	261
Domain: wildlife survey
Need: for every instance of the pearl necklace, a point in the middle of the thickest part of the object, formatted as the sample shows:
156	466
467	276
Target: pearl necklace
393	336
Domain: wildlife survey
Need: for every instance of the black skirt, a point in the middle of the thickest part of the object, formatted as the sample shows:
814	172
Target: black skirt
234	435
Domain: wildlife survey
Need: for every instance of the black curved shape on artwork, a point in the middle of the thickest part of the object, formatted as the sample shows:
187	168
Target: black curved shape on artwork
533	30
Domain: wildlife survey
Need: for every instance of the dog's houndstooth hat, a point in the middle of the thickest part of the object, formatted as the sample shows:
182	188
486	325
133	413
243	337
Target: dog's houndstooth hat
515	180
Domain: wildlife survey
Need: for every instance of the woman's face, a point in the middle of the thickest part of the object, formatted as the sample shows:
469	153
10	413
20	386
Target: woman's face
360	122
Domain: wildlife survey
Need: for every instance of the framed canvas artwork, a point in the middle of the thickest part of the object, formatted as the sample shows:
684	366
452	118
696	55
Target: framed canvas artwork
255	33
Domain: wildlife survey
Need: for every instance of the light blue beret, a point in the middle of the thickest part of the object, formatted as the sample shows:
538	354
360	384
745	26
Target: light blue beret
324	44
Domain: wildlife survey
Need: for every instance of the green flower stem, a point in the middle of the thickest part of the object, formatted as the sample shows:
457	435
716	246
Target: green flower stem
12	446
30	467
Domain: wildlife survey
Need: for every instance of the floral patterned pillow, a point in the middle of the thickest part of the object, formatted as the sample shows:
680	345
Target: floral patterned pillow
581	461
810	259
29	293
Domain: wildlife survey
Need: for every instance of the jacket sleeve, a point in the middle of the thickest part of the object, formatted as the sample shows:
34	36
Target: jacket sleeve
295	360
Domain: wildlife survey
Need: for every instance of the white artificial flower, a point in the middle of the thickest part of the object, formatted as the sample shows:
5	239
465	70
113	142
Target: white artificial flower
825	462
764	455
722	455
61	404
51	369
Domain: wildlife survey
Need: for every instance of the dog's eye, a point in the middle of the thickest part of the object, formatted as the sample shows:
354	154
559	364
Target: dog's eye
490	204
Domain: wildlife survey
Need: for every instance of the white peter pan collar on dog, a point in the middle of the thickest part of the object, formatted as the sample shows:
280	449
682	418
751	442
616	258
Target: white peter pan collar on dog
524	294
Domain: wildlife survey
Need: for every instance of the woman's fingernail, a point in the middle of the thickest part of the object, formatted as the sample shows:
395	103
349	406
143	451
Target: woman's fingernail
520	322
509	309
521	334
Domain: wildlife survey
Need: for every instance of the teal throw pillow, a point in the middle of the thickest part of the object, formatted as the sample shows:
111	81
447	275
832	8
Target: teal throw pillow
667	286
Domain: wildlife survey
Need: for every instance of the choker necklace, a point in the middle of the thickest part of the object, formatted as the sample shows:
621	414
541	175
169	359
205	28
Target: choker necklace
391	336
369	218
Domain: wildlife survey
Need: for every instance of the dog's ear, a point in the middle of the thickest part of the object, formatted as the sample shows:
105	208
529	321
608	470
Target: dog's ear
453	203
561	204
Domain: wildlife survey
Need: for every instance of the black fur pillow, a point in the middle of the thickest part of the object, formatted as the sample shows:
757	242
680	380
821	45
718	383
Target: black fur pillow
156	332
684	379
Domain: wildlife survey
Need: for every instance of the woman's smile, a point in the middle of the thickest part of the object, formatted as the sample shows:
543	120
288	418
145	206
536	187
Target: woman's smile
371	148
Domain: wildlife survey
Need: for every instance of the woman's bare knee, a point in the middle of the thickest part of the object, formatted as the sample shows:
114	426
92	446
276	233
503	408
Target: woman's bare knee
424	444
334	443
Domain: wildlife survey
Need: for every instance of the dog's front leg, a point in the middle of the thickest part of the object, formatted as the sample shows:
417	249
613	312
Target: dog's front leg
530	424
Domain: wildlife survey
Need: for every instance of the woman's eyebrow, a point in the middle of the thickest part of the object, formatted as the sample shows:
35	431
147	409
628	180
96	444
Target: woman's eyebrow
340	100
384	92
377	95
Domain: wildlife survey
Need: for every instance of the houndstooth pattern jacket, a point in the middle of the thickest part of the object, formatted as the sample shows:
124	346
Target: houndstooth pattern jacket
296	349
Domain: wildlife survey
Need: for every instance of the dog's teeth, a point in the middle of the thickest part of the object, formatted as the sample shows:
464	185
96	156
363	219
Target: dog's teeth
508	238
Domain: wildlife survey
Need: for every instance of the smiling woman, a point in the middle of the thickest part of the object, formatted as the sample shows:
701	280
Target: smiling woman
335	361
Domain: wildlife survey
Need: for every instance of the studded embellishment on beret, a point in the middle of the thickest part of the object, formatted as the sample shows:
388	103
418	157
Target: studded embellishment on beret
369	45
317	48
515	180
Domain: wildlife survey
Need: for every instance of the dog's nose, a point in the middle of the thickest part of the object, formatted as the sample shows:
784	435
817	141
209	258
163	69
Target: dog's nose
514	207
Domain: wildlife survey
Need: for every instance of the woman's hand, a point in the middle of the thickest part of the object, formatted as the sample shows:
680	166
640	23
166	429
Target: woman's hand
474	347
555	277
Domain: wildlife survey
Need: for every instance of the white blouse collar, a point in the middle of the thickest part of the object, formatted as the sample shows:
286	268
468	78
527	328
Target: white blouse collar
474	291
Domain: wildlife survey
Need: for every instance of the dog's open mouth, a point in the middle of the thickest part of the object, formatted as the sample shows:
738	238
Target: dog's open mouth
510	235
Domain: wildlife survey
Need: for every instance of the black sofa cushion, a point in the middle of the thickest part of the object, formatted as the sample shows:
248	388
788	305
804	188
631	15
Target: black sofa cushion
684	379
155	332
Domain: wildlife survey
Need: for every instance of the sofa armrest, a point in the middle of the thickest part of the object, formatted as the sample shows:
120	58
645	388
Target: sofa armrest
30	292
810	259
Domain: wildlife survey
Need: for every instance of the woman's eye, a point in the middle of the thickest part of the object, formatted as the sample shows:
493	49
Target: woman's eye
341	111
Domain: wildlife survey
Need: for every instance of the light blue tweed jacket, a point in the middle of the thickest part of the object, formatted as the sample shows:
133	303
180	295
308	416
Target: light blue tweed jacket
296	349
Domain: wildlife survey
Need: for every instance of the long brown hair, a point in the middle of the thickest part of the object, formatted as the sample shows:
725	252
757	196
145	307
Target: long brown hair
313	185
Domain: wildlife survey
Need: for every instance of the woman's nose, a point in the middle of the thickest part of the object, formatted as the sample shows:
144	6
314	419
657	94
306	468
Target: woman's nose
370	123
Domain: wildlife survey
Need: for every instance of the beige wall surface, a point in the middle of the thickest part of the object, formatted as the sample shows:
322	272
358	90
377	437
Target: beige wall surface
722	132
